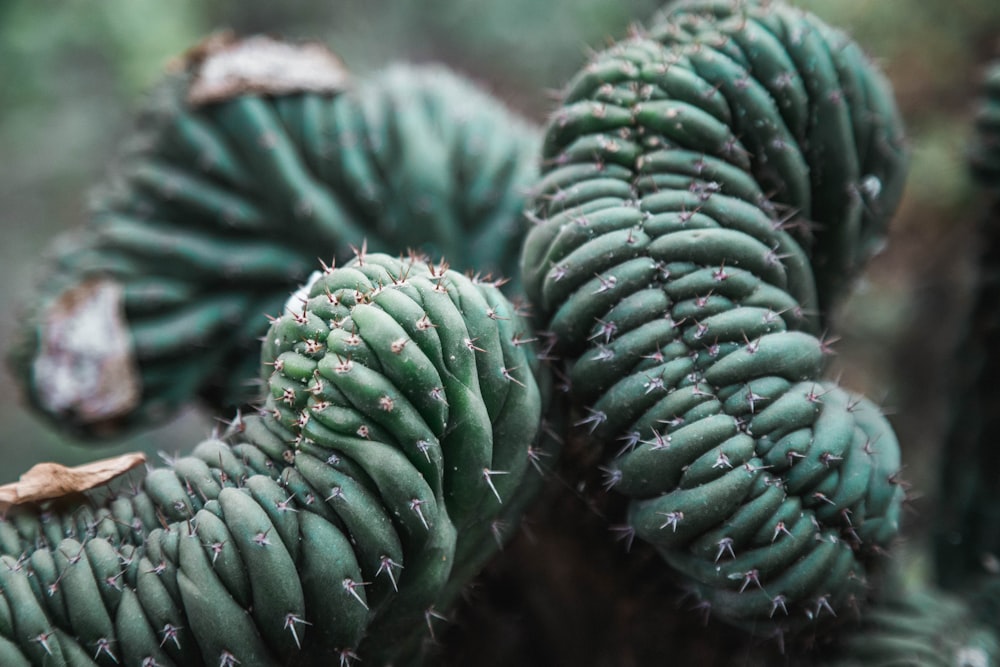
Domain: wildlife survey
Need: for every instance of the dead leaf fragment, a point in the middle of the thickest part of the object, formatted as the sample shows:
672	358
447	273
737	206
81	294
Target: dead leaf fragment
85	366
226	67
48	481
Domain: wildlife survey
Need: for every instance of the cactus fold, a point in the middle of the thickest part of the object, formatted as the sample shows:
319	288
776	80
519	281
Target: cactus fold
711	186
221	205
392	458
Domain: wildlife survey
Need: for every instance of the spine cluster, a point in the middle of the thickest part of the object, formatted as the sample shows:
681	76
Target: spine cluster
710	186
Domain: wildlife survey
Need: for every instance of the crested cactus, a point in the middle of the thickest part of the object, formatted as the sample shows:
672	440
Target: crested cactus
394	454
234	183
710	187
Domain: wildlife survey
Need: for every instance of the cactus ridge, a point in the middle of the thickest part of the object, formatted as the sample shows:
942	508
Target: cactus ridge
391	459
709	188
219	210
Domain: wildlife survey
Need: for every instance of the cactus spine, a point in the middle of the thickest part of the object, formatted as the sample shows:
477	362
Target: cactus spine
711	187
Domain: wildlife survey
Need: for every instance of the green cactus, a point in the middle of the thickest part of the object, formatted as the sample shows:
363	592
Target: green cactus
967	540
712	186
230	189
919	627
393	456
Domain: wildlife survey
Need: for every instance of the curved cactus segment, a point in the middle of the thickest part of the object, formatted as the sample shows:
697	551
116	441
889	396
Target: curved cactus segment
392	458
705	200
224	200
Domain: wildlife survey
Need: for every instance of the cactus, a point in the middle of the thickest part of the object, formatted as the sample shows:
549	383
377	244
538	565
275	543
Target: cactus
232	186
919	627
711	187
967	541
392	458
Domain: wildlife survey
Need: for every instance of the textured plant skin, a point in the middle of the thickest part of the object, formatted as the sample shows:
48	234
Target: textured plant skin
393	456
710	188
219	208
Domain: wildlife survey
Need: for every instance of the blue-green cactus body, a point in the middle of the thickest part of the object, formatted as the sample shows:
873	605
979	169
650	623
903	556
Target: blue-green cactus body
392	458
712	185
220	207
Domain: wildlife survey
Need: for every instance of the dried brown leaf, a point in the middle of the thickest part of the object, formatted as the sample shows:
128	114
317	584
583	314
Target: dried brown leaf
48	481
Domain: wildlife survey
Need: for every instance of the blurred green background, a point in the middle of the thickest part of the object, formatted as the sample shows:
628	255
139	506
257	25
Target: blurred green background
72	73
